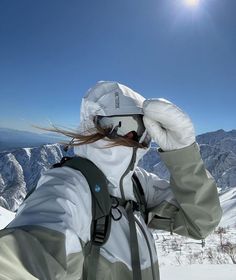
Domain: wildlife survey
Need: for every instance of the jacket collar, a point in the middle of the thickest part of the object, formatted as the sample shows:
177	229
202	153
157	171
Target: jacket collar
114	162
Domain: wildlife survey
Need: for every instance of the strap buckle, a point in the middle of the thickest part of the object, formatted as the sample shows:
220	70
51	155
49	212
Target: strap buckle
133	205
100	230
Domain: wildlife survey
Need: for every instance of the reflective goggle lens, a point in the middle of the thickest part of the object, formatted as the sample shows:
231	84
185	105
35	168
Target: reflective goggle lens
121	125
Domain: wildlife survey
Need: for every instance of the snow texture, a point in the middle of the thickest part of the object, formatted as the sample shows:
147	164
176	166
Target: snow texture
6	217
21	169
218	151
199	272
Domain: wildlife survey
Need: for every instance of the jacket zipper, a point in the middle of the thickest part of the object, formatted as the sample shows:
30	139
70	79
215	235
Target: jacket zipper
129	168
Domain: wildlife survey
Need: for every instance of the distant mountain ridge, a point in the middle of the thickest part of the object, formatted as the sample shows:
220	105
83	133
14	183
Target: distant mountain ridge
21	168
218	151
215	137
12	139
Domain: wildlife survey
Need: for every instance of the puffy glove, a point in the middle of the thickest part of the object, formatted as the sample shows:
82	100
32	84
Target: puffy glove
168	125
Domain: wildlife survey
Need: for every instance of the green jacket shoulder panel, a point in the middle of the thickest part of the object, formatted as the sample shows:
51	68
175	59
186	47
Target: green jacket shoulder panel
198	211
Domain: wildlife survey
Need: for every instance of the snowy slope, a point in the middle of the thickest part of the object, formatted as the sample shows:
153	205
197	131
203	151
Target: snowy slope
179	250
6	217
198	272
21	169
228	203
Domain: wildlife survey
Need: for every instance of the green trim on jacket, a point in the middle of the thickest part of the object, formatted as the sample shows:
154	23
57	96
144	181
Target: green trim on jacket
48	260
199	210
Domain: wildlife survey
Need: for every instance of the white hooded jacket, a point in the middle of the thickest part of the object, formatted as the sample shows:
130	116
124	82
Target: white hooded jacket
60	207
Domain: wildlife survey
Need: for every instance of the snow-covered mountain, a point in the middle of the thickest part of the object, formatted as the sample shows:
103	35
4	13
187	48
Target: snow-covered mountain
218	150
228	203
21	168
6	217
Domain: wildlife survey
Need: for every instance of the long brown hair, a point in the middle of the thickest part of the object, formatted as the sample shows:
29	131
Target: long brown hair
91	136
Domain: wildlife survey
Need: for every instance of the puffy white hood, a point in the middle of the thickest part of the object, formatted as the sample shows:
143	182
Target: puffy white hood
107	99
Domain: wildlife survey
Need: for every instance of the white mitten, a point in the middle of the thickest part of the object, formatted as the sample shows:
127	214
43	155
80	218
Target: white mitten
168	125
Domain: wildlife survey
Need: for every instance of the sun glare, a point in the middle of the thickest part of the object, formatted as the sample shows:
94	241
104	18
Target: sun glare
192	3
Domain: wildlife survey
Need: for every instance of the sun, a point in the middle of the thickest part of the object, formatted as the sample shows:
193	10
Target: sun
192	3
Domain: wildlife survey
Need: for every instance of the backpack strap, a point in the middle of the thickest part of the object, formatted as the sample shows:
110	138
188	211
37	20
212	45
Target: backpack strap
130	206
101	201
140	196
101	212
134	250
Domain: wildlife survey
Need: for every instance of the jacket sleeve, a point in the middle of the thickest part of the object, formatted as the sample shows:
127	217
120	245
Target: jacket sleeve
187	205
53	224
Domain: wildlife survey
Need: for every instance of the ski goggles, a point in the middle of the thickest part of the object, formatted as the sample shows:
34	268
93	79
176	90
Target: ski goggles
122	125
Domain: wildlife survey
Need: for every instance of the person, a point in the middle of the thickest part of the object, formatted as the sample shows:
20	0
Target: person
47	238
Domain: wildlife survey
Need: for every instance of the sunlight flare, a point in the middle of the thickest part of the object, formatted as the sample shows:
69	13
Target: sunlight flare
192	3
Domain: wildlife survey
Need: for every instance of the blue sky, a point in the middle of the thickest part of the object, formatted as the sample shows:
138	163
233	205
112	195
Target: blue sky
51	52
